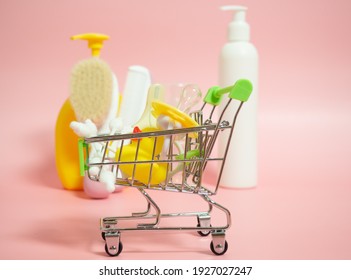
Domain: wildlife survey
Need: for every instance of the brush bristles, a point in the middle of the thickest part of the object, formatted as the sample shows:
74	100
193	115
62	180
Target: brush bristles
91	90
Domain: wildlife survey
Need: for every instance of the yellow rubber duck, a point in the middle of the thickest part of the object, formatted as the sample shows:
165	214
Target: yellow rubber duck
142	170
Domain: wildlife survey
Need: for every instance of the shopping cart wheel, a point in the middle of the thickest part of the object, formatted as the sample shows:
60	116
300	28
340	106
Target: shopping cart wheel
204	221
219	249
218	244
113	251
202	232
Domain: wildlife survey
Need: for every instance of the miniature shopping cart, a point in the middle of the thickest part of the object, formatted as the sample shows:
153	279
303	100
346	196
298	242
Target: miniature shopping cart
172	160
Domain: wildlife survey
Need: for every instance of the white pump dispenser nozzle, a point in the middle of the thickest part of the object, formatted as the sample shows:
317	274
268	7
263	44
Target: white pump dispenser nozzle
239	29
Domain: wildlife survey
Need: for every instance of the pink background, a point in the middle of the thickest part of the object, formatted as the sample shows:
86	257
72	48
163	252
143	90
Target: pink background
301	208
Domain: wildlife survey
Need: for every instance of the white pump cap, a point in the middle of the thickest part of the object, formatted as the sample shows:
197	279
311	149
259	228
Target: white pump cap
239	29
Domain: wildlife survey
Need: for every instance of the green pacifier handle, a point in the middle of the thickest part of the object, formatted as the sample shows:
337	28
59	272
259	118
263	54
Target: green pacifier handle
190	154
82	166
241	91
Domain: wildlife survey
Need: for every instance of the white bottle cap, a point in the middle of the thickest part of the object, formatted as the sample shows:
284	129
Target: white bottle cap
239	29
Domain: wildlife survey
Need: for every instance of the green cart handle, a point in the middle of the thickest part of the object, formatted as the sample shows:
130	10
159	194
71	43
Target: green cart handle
82	166
241	91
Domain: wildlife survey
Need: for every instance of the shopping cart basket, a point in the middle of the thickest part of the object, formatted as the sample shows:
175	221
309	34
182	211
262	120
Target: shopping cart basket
175	161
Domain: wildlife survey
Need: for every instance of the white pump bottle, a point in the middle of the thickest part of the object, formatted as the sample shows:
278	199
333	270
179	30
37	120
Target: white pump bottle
239	60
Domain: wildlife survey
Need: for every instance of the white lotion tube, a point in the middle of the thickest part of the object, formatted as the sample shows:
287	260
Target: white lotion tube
239	60
135	94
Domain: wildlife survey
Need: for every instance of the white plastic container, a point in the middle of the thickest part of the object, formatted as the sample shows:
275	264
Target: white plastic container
239	60
135	94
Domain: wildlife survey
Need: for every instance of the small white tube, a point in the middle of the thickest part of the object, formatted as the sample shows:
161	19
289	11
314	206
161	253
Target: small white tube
135	94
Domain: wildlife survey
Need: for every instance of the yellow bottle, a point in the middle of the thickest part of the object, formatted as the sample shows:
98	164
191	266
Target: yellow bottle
66	149
66	141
